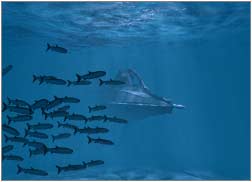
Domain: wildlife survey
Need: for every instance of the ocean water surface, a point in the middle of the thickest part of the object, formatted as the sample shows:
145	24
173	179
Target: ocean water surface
196	55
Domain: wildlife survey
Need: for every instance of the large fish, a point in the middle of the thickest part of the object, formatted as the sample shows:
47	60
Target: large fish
56	48
32	171
91	75
133	100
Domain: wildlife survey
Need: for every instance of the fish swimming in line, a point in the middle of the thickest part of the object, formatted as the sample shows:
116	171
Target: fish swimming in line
18	102
97	118
17	109
89	130
41	79
19	118
12	157
67	99
57	101
35	134
75	83
60	136
91	75
94	163
99	140
55	114
60	150
71	167
76	117
56	48
38	104
32	171
96	108
116	120
66	125
55	81
16	139
39	126
7	148
36	151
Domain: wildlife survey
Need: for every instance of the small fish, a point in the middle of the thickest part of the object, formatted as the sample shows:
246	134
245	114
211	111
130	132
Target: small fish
7	148
16	139
91	75
96	108
81	82
13	157
39	126
18	102
35	134
77	117
60	150
19	118
32	171
10	130
55	114
116	120
99	140
89	130
6	69
42	103
36	151
67	99
42	79
17	109
94	163
97	118
71	167
66	125
60	136
56	48
37	145
111	82
63	108
57	101
56	81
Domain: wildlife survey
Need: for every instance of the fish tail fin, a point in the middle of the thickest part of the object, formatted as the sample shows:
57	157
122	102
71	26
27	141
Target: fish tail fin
78	77
41	80
75	131
19	169
65	118
105	118
48	47
59	169
101	82
9	101
69	83
6	138
9	119
34	78
53	138
89	109
26	132
28	126
89	139
4	107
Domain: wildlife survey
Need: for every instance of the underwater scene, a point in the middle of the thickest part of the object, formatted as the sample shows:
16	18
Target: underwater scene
125	91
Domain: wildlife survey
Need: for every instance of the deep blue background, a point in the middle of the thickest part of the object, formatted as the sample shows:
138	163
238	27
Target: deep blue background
197	54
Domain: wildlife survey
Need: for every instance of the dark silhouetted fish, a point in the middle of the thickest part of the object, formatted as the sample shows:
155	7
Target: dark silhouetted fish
94	163
66	125
89	130
36	151
37	145
81	82
18	102
42	79
67	99
10	130
55	81
96	108
76	117
40	104
60	136
116	120
57	101
99	140
39	126
35	134
60	150
111	82
91	75
32	171
97	118
19	118
71	167
6	70
13	157
63	108
56	48
55	114
17	109
16	139
7	148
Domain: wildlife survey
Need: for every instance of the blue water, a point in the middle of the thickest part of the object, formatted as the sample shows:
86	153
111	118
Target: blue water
196	54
